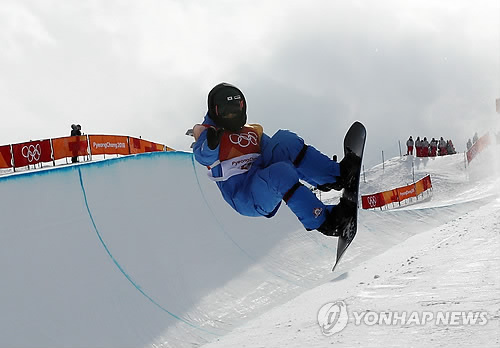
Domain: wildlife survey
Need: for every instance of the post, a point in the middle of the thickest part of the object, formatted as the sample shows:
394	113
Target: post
413	170
400	151
89	148
364	174
383	161
52	153
12	161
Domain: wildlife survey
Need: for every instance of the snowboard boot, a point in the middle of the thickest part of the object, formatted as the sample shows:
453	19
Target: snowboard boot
347	178
338	218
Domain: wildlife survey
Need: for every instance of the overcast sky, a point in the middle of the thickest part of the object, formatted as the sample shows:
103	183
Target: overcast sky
144	68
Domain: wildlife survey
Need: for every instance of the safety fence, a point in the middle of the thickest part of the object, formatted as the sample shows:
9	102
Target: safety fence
397	195
481	144
49	150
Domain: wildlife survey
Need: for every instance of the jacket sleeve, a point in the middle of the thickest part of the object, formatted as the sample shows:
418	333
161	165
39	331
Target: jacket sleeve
202	153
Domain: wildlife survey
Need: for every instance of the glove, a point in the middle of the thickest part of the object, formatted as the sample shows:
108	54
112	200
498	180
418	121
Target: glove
213	137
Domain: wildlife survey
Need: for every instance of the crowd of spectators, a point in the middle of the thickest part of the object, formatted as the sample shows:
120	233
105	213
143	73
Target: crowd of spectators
426	148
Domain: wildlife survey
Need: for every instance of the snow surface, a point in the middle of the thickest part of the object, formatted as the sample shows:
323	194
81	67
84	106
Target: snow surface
142	251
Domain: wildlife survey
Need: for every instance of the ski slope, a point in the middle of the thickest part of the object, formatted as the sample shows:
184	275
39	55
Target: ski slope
141	251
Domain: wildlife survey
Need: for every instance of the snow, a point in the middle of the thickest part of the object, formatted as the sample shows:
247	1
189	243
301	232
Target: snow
142	251
455	267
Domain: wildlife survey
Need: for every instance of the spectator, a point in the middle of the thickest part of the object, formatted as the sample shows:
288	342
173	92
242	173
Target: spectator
450	148
475	138
75	131
425	147
409	145
434	145
442	147
418	146
469	144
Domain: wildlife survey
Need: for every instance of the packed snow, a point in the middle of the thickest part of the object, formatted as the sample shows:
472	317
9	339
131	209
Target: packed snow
141	251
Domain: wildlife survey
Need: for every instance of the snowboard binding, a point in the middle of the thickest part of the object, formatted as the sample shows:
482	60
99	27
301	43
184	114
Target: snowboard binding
348	173
338	218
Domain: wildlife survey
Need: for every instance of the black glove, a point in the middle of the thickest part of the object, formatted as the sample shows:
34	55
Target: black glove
213	137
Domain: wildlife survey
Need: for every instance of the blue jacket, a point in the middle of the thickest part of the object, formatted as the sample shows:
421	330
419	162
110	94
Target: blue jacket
254	171
234	189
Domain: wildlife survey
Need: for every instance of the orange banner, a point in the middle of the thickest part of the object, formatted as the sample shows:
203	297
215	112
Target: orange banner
397	195
5	157
108	145
141	146
39	150
419	187
390	196
406	192
70	147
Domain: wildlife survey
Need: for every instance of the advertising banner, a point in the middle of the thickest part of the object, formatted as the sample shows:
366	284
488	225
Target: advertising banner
390	196
109	145
142	146
5	157
419	187
32	153
427	182
70	147
406	192
400	194
373	201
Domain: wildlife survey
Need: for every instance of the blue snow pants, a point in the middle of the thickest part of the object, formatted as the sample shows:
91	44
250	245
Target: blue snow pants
275	174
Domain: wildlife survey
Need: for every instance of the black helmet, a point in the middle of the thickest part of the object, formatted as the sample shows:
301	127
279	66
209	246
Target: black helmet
227	107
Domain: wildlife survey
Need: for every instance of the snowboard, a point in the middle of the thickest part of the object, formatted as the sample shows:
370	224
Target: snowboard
354	142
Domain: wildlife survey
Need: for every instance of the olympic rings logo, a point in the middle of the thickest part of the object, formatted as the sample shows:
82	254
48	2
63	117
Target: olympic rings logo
244	140
372	201
32	152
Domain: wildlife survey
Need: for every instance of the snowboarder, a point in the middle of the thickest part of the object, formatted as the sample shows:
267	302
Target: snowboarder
255	172
409	145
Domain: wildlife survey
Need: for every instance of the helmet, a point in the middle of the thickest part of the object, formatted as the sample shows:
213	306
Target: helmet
227	107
